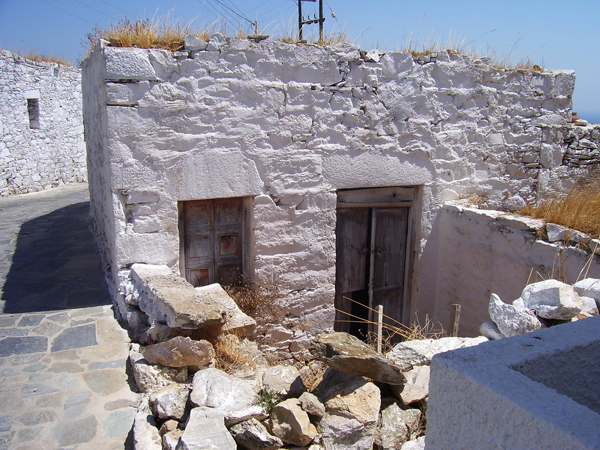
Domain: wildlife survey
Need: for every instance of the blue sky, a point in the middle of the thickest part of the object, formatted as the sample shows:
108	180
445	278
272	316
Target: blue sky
554	34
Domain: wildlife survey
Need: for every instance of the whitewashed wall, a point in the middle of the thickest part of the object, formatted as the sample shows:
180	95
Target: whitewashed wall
289	125
481	252
53	154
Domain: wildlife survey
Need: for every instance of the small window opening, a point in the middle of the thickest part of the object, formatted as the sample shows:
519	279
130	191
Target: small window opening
33	108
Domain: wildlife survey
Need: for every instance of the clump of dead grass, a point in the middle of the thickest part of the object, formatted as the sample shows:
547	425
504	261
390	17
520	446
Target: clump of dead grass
261	301
228	356
33	55
577	209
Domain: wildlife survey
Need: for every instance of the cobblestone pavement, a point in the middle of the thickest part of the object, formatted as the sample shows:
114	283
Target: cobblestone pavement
63	378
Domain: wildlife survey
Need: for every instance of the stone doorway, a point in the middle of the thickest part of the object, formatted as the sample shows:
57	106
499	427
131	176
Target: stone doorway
372	256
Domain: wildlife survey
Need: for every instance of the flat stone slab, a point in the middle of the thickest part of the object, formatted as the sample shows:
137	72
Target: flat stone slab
78	337
22	345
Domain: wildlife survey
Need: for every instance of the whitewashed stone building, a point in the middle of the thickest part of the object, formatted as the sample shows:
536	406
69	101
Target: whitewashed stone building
319	169
41	125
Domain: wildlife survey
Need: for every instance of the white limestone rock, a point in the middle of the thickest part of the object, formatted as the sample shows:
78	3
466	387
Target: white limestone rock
145	433
283	380
417	444
170	440
216	41
172	300
552	299
252	435
590	306
203	433
291	424
128	64
152	377
418	353
396	425
589	287
236	322
490	330
194	43
347	353
416	387
233	397
509	320
180	352
311	404
519	304
352	407
169	402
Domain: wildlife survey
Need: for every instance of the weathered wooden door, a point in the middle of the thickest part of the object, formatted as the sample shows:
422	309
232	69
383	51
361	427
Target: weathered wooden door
372	243
211	236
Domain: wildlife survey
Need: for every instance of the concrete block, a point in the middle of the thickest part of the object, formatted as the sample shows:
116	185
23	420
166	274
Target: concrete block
531	391
128	64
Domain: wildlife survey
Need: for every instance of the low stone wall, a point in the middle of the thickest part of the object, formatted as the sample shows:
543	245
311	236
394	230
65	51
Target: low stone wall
41	125
483	252
532	391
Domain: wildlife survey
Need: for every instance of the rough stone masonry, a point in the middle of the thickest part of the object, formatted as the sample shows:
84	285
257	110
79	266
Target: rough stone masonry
41	125
287	128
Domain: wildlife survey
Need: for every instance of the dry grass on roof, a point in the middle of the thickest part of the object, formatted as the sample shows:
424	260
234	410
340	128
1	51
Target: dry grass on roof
40	57
578	209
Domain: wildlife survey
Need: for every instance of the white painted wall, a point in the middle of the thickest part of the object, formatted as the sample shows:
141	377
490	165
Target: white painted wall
289	124
532	391
481	252
53	154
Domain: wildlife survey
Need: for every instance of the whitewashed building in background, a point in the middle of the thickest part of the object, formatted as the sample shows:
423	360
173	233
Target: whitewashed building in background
322	170
41	125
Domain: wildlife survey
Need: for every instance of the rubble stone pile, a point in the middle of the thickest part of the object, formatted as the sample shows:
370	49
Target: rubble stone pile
542	304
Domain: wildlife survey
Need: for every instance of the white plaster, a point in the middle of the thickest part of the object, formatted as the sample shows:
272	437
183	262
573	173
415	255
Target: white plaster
52	154
538	390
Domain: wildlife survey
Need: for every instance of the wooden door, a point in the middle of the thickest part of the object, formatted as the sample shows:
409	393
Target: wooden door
211	236
389	239
352	256
372	256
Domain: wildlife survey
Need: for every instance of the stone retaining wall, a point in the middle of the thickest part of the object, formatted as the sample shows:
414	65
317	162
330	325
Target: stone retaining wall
288	126
483	251
41	125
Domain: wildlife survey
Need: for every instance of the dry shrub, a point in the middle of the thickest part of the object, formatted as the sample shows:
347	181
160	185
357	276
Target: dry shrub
259	301
39	57
577	209
228	356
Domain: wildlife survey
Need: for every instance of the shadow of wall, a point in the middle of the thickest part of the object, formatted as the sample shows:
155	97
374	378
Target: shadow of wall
56	264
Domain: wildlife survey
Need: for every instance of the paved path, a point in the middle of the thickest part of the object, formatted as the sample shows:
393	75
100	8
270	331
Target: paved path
63	379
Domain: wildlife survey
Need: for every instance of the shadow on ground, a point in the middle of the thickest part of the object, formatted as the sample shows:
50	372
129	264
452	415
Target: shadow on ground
56	264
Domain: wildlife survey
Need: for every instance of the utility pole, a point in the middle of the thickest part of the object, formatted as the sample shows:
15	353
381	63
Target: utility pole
302	22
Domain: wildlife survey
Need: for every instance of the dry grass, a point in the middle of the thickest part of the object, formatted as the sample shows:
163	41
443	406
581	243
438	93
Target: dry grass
228	356
262	302
459	46
144	33
578	209
391	332
40	57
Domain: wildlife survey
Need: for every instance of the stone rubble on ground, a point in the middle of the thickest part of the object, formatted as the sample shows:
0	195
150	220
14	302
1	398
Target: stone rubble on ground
189	403
542	304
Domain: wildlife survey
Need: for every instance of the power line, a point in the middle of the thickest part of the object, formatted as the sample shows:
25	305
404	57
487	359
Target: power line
70	13
119	9
239	15
94	9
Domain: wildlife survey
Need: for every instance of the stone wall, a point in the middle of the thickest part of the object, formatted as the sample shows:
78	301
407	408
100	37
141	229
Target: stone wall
41	125
483	252
289	125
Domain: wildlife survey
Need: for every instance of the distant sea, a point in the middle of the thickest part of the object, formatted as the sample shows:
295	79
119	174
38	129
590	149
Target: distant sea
591	117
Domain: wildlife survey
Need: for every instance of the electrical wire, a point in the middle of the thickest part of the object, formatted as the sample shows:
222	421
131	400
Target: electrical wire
70	13
220	2
117	8
94	9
